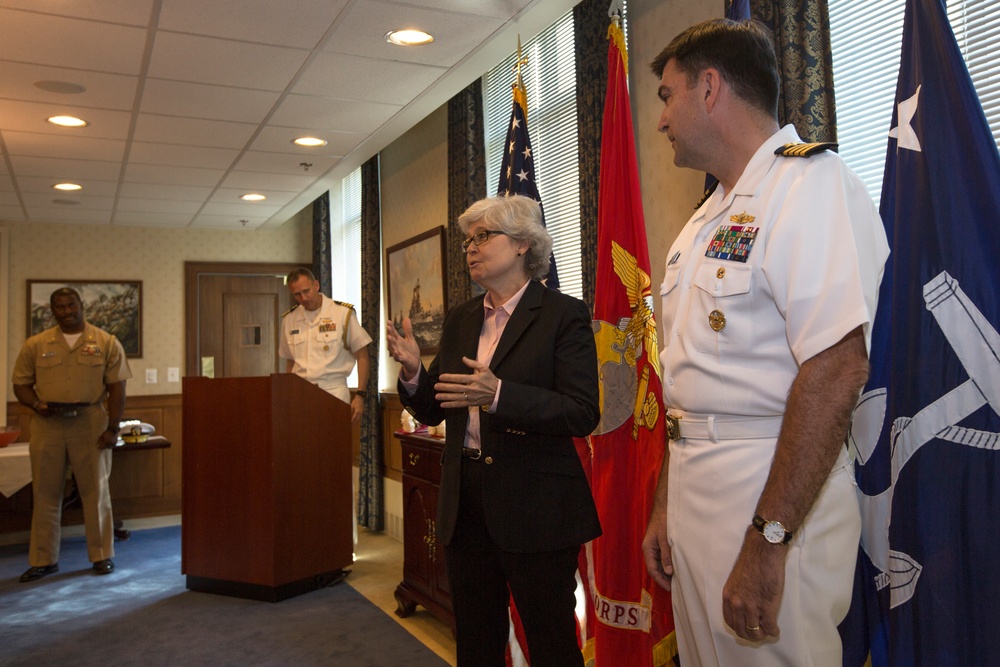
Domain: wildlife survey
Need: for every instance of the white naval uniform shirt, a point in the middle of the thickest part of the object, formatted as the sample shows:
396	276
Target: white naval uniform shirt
810	277
314	341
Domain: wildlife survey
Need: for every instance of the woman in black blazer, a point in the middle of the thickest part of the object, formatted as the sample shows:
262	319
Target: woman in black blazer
515	379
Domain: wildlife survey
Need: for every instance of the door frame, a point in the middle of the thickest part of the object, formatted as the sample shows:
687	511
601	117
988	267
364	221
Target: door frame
192	274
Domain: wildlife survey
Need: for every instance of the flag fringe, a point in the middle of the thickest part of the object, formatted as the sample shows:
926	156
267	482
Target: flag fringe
616	35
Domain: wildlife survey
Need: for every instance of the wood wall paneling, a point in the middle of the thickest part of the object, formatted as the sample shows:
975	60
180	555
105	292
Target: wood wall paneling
143	483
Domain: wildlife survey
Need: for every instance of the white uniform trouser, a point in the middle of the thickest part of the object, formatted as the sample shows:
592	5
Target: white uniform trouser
713	490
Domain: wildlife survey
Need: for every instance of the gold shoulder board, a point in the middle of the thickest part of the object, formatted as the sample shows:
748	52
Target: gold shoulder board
708	193
344	304
290	310
805	150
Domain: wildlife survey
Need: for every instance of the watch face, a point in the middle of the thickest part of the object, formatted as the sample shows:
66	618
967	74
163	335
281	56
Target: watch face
773	532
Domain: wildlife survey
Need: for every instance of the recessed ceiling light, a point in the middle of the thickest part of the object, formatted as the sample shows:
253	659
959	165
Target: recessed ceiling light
67	186
408	37
309	142
253	196
62	87
68	121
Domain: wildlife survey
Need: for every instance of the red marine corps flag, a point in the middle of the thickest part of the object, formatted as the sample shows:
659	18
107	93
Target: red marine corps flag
634	620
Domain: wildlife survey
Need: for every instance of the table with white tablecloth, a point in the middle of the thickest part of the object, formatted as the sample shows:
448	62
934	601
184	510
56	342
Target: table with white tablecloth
15	468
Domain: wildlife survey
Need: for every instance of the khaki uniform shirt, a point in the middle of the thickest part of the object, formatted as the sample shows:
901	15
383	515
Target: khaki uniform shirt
71	375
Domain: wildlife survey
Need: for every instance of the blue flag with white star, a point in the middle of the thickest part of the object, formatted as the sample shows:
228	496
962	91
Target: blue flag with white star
517	171
927	428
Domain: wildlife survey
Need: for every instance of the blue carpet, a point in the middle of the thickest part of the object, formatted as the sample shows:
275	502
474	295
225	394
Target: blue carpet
141	614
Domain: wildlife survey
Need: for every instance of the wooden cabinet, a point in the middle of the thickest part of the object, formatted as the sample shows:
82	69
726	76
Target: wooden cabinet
425	574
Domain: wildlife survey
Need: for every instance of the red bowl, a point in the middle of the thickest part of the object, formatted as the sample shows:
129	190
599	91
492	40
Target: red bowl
8	435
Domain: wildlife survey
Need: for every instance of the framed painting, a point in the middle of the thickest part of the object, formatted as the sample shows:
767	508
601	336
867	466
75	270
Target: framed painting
415	282
112	305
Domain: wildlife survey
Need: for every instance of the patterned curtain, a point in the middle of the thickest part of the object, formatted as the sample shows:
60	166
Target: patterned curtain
321	243
466	181
802	39
370	493
590	26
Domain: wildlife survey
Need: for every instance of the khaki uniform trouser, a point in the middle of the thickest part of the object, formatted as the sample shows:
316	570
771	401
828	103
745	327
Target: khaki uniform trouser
55	443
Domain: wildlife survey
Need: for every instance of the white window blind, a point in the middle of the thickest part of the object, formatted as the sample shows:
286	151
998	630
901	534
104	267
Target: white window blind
350	262
866	38
550	79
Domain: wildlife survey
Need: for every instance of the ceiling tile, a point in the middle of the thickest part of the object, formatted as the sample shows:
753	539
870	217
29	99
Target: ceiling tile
196	100
266	184
54	146
357	78
203	98
126	204
298	23
37	200
159	191
141	173
44	184
105	91
224	62
241	210
44	39
181	156
129	12
284	163
345	115
11	213
362	32
32	117
80	171
193	131
278	139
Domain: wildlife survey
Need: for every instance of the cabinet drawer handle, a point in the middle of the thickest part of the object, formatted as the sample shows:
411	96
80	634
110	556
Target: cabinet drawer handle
414	458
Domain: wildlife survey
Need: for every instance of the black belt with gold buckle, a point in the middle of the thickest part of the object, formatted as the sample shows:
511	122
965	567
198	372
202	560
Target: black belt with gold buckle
471	453
673	428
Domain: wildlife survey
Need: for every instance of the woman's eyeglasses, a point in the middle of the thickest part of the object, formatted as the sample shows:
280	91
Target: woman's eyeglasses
480	237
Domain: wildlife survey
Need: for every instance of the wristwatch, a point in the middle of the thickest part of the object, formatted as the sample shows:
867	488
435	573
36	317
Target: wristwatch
772	531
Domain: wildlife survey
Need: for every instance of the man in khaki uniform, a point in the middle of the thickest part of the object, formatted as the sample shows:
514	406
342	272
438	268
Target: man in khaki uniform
64	374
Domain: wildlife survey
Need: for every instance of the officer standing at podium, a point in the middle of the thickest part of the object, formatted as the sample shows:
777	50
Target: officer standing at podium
321	339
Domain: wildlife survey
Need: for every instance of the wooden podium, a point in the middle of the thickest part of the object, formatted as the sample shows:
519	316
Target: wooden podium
266	503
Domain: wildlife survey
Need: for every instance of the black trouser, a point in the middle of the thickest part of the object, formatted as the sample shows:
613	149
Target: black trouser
483	577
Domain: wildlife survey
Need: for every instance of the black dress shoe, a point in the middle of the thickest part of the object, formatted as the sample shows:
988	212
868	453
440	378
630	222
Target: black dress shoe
33	573
106	566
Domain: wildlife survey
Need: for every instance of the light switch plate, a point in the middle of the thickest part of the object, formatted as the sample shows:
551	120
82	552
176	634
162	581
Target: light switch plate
150	376
173	374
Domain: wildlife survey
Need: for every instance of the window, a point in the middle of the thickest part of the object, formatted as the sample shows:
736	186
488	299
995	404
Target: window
866	38
345	250
550	79
347	267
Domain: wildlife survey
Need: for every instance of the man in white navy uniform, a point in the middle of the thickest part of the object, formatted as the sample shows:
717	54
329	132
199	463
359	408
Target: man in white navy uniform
321	339
768	300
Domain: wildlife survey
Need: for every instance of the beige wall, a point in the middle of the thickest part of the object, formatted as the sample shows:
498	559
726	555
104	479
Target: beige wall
668	193
414	172
153	255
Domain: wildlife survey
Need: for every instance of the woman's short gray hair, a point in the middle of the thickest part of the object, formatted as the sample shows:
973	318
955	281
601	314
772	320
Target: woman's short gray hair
520	218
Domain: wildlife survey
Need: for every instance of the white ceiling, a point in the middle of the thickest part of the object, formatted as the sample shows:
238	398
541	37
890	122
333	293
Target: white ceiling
192	103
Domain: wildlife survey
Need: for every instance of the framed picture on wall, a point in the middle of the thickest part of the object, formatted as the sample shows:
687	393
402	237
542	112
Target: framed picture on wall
415	284
112	305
